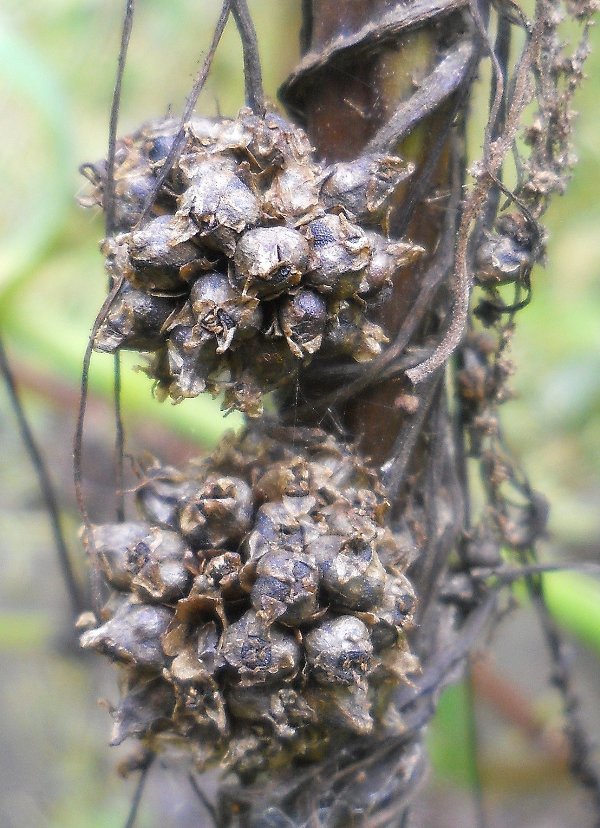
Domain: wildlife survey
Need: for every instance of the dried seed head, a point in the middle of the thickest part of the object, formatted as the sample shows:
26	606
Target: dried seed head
270	260
245	216
268	610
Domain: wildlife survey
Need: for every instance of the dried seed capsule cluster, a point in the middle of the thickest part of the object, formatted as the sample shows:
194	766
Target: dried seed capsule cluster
253	257
259	607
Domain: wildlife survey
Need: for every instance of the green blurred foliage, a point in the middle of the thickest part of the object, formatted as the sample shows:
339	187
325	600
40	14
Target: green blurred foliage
57	65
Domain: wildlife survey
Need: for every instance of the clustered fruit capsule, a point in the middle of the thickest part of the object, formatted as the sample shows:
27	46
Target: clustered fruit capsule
259	605
253	257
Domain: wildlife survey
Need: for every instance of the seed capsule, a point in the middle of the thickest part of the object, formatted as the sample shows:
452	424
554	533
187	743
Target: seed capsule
257	653
217	206
117	546
270	260
134	321
363	186
147	706
286	588
355	578
393	613
159	564
223	312
302	318
276	529
283	710
339	651
387	258
132	635
347	707
160	493
506	253
218	513
293	193
157	252
348	333
342	251
191	358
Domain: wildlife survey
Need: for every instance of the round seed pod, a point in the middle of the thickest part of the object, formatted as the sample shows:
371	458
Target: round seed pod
355	578
218	513
286	588
347	707
134	321
293	193
146	707
302	318
341	253
157	253
281	710
270	260
349	333
386	259
160	493
133	185
506	253
258	653
159	563
132	635
363	186
393	613
339	651
217	206
223	312
116	546
191	358
275	529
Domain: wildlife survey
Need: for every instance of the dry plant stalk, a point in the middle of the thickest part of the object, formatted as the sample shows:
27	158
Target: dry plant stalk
261	607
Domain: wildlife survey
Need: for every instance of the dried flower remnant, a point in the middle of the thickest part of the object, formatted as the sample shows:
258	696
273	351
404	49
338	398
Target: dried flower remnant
251	259
262	598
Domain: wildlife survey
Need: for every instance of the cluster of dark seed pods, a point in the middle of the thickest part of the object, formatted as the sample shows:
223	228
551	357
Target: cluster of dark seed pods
259	608
254	257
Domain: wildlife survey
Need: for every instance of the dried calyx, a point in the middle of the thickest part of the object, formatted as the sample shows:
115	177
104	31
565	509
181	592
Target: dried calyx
252	259
259	608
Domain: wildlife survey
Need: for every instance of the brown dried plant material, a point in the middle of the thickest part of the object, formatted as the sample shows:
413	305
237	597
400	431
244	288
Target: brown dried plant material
251	261
261	604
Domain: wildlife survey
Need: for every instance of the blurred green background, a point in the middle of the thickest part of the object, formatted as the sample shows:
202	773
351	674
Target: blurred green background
57	64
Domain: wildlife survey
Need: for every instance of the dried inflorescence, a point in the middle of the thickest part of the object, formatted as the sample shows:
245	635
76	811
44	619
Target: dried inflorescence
259	608
253	258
